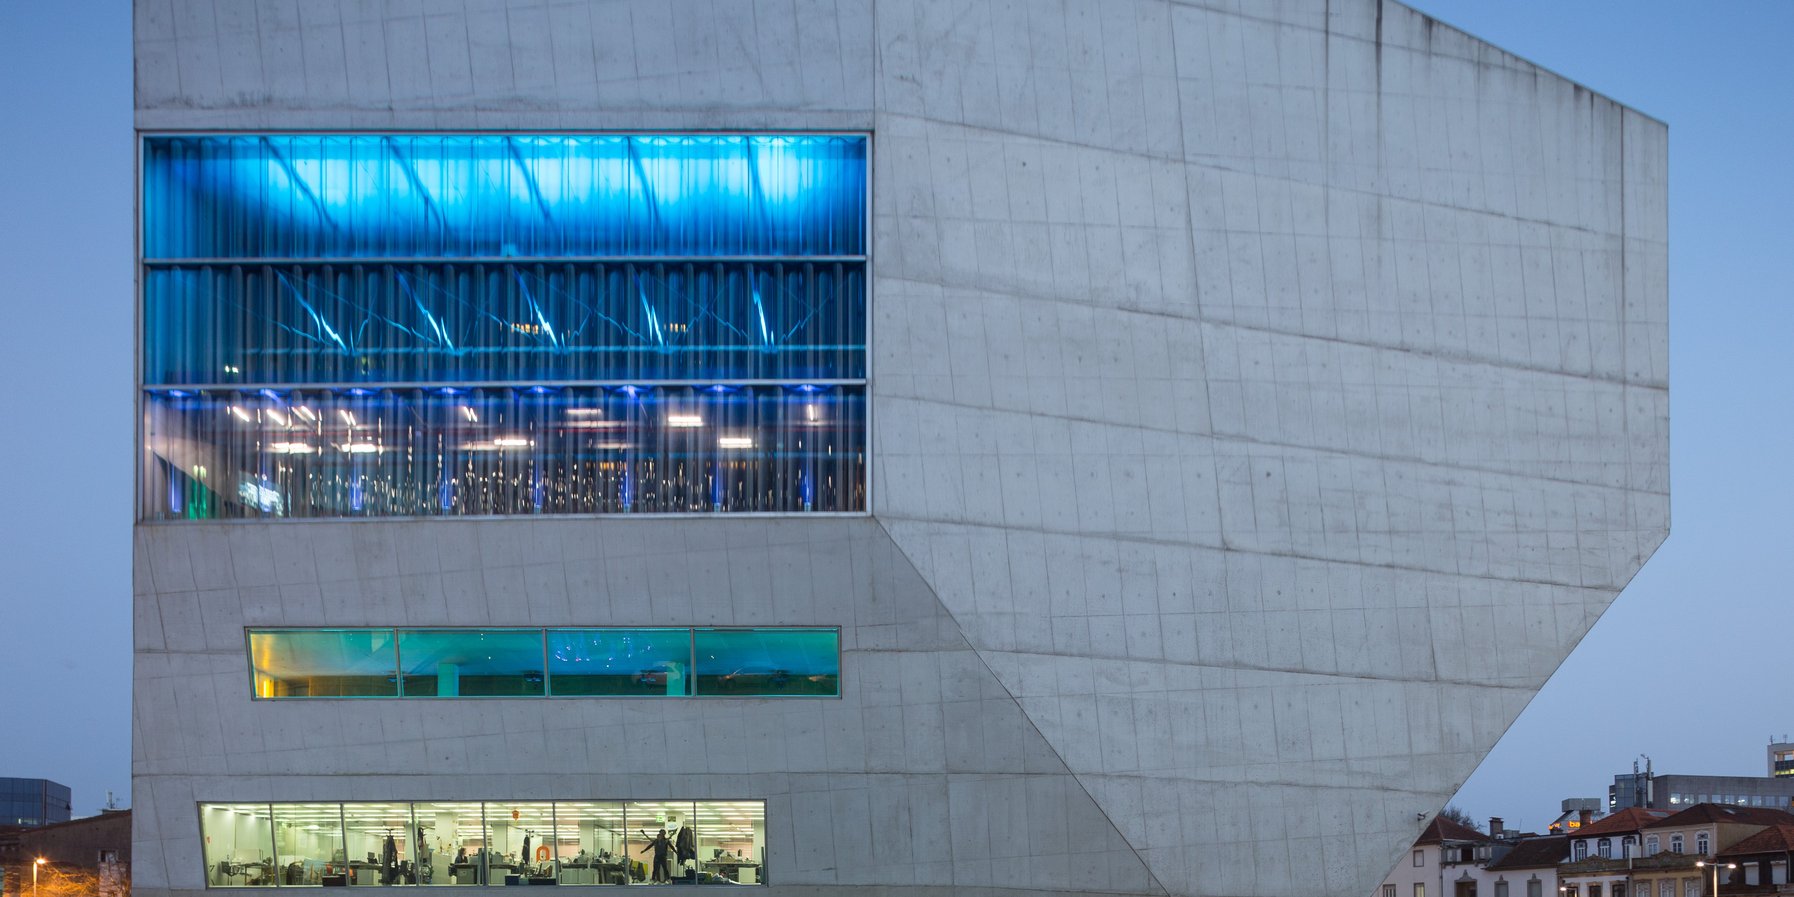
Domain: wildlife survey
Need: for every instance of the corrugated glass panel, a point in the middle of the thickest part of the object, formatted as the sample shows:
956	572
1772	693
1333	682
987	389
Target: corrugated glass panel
642	662
471	663
324	663
435	195
768	662
225	454
504	321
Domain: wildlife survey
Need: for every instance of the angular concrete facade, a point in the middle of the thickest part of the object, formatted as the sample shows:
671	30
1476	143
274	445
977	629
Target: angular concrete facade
1266	398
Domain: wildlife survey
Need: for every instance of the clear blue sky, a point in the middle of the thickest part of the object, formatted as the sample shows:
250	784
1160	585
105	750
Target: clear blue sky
1687	667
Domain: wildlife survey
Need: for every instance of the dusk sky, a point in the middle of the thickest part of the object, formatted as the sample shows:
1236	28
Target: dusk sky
1685	667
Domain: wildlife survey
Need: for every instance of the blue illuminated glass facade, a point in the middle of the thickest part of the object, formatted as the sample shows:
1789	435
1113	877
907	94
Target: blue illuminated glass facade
443	325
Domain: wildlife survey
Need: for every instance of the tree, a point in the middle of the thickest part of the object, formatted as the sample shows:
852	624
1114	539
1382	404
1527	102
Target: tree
1457	815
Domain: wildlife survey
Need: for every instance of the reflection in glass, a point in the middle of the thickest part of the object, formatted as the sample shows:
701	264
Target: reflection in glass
239	845
324	663
661	837
503	321
449	844
380	838
451	452
590	838
646	662
520	841
467	663
308	844
731	842
768	662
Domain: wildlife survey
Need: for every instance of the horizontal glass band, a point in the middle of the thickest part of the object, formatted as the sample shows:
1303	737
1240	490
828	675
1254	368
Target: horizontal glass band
219	454
305	323
298	196
400	843
608	661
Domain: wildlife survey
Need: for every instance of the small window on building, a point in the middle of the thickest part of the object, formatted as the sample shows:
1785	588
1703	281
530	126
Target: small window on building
1594	890
1619	889
1419	858
1675	843
1701	843
1501	889
1420	889
1605	848
1666	888
1691	887
1652	845
1389	891
1581	850
1535	888
1626	847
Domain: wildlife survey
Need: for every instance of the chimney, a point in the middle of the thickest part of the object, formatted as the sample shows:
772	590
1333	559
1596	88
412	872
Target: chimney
1584	816
1495	828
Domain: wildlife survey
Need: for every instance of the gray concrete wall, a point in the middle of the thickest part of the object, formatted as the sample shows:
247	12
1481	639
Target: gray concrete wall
1266	399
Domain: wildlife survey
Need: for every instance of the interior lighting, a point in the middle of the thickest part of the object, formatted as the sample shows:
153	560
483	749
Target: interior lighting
347	417
291	448
278	417
810	413
510	442
735	442
305	412
360	448
467	412
240	414
684	420
584	412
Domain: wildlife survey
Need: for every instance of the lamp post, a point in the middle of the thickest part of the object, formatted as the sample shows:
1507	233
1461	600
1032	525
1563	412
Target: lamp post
1703	864
35	865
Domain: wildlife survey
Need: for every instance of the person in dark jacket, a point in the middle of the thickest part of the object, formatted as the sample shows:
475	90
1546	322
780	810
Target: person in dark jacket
661	847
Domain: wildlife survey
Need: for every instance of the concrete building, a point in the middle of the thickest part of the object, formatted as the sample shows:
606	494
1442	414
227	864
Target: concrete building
30	802
1672	791
1169	473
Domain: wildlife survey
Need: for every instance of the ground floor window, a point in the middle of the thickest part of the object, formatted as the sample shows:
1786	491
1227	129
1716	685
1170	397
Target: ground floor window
450	843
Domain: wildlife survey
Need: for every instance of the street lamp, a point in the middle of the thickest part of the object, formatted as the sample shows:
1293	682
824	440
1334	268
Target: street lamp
1703	864
37	864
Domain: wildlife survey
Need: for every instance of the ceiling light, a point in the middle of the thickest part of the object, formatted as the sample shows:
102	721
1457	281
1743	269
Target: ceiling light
346	416
510	442
240	414
305	412
360	448
278	417
584	412
684	420
291	448
735	442
467	412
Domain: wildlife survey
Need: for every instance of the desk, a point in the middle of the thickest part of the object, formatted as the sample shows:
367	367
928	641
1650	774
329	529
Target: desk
740	871
464	874
595	873
366	874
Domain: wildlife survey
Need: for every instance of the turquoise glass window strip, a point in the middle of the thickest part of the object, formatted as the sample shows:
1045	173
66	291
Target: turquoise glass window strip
658	662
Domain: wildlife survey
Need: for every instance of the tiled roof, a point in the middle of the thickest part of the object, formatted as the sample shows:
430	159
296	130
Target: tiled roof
1630	819
1777	838
1441	830
1535	853
1700	813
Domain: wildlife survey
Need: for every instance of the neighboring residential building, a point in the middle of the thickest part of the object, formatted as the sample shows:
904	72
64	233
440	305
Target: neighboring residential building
1577	812
95	851
922	446
29	802
1763	858
1602	854
1440	862
1528	868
